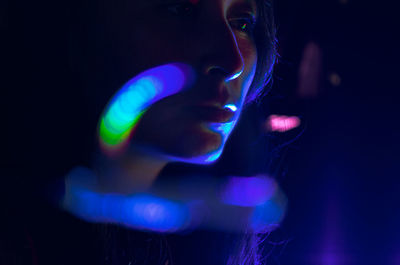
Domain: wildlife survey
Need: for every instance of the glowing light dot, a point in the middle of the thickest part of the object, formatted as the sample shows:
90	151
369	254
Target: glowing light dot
335	79
281	123
244	26
231	107
234	76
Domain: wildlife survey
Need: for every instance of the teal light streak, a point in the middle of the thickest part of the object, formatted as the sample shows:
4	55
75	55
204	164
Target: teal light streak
129	104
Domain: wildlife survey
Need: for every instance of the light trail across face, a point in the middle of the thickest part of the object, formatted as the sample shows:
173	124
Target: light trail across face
127	106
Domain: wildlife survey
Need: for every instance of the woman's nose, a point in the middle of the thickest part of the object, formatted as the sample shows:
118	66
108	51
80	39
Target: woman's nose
222	54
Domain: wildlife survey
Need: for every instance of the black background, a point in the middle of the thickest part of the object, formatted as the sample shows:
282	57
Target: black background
340	172
341	175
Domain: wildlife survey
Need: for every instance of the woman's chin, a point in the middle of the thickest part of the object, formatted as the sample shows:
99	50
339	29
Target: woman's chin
193	142
196	145
200	159
203	147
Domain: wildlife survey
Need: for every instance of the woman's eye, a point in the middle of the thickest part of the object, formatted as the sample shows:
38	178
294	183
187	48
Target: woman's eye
180	9
243	24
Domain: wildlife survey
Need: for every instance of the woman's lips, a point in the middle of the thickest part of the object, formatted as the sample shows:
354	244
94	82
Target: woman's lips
212	113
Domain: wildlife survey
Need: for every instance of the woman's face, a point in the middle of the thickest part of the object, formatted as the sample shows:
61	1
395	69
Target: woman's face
213	37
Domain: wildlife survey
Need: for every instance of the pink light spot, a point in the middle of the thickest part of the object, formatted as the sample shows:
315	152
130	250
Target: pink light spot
282	123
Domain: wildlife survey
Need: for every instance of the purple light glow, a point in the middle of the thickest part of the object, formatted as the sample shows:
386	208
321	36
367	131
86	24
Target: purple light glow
331	247
255	203
281	123
396	259
331	258
248	191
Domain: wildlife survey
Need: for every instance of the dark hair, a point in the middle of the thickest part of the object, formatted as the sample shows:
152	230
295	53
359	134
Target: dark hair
249	251
265	38
121	245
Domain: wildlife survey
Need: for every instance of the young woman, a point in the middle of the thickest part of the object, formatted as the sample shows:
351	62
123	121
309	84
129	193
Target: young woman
82	58
229	49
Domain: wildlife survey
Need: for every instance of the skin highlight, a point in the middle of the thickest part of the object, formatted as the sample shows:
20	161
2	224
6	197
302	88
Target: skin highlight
207	35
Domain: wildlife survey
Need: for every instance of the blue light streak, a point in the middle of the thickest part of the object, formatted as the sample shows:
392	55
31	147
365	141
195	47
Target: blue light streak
140	211
187	211
248	191
134	98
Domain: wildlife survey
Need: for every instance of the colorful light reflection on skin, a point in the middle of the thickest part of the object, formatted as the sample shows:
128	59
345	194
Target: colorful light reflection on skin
129	104
225	129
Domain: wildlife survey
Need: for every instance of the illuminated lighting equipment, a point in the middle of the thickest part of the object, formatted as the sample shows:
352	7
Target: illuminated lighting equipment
129	104
282	123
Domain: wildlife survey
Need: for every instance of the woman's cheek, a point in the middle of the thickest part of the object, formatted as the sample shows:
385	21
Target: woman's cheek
153	45
247	78
249	54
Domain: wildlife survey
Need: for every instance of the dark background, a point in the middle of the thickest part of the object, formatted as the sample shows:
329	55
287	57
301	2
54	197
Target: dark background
341	174
339	169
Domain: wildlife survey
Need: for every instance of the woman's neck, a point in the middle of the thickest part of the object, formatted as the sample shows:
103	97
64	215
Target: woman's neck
128	174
